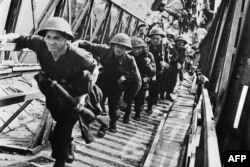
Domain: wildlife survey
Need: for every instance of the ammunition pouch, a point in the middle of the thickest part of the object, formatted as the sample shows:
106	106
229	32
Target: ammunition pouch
43	84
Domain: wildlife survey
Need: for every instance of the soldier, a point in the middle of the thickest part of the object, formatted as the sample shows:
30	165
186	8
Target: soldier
176	65
146	64
119	72
142	31
160	53
180	43
168	79
73	68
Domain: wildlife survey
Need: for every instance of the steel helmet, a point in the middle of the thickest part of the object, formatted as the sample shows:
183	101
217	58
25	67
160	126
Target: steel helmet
137	42
157	31
170	33
121	39
57	24
181	38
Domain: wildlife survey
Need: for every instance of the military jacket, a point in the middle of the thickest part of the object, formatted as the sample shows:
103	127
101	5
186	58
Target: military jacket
113	69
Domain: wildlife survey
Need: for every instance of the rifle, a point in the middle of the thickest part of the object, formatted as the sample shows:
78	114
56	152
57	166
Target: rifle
102	119
84	114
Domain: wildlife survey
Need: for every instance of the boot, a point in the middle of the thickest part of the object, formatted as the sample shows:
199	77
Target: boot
150	110
168	97
102	131
70	156
137	117
126	118
112	127
59	163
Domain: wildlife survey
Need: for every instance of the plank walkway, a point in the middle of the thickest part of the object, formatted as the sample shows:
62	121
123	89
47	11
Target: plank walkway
156	140
169	150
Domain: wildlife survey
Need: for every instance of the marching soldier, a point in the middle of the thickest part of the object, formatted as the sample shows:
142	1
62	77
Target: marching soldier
142	31
71	67
146	64
180	43
119	72
160	53
176	65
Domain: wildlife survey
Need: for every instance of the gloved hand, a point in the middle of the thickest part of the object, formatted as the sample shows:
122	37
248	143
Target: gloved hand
121	79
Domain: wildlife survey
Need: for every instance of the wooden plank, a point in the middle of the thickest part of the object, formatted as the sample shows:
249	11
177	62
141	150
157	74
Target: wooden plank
40	129
155	142
211	141
48	129
20	97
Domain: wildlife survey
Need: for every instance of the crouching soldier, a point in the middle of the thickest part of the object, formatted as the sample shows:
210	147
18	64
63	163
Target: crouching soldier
66	70
146	64
119	72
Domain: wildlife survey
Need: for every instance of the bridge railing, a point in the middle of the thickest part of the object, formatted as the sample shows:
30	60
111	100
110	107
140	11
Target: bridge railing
203	149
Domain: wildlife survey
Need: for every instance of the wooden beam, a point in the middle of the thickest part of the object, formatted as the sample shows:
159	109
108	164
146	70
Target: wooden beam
18	98
40	129
15	115
212	155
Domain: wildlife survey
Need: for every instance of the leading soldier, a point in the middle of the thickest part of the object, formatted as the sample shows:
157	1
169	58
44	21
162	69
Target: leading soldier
73	68
120	72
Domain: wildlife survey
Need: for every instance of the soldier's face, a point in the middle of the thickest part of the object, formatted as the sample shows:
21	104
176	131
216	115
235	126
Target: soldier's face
180	44
55	41
137	50
156	40
143	31
119	50
170	38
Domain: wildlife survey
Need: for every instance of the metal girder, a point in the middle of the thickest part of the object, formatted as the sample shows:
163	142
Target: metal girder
81	15
226	63
98	27
105	24
88	25
128	24
13	16
230	136
217	37
60	8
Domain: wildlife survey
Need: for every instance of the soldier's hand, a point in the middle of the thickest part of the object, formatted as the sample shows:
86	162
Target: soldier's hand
146	79
121	79
164	64
8	37
76	43
147	60
79	107
179	66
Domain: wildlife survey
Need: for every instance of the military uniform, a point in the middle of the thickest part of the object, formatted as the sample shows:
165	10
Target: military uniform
160	54
72	63
147	70
113	69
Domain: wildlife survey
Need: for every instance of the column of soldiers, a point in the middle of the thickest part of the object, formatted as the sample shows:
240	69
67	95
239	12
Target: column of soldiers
130	68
